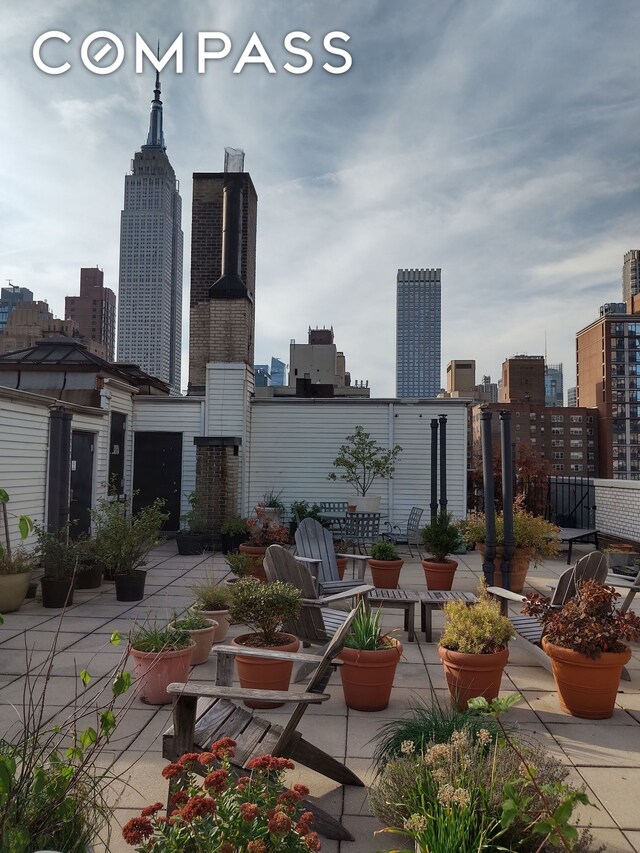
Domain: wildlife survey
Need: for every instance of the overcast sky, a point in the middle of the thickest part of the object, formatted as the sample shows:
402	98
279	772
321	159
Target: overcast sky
496	139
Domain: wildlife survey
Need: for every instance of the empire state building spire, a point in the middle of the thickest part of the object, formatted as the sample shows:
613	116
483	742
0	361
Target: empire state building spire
155	138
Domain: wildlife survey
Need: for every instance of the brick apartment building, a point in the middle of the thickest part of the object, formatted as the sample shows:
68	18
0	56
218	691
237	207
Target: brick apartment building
94	311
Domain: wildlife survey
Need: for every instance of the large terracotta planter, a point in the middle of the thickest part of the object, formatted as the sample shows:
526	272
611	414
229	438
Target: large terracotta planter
586	687
154	671
385	573
222	618
13	590
203	639
264	674
469	676
256	552
520	563
341	563
367	676
439	575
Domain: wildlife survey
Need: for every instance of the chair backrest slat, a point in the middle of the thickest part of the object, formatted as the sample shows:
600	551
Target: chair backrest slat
413	524
280	565
591	567
314	541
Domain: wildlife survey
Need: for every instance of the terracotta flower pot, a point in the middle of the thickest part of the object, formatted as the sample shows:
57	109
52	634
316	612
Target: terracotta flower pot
154	671
13	590
385	573
367	676
264	674
586	687
519	566
223	620
469	676
439	575
256	552
341	563
203	639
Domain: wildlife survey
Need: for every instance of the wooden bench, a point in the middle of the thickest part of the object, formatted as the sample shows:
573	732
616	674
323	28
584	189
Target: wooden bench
400	599
432	599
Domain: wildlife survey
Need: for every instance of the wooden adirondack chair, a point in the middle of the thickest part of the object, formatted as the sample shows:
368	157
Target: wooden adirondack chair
202	713
314	545
317	622
528	628
632	585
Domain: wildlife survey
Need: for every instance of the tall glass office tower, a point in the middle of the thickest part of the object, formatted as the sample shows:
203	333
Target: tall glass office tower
418	321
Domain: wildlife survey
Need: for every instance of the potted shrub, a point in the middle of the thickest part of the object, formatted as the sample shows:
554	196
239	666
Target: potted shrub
369	663
473	648
59	555
586	640
161	656
89	574
195	537
16	567
385	564
361	462
263	531
301	510
440	538
201	630
240	564
263	608
233	533
213	601
535	538
124	540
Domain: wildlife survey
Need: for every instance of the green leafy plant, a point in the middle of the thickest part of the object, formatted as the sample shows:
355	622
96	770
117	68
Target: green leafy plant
386	551
124	539
235	526
529	531
153	638
265	531
365	632
226	814
478	628
25	525
272	499
264	608
588	623
57	552
241	565
441	537
302	509
213	596
363	460
194	520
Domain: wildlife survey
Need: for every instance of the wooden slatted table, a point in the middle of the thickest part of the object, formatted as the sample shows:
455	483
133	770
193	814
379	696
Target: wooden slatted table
431	599
400	599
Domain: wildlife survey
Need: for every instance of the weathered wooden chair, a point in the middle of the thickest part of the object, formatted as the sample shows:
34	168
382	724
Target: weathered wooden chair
529	629
203	713
314	545
411	536
317	622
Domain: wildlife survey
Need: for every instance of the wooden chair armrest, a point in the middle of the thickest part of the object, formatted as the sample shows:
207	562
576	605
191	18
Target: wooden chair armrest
307	559
505	593
622	582
212	691
248	651
355	556
363	589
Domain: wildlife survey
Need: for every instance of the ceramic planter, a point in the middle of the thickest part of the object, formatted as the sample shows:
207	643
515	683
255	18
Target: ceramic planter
385	573
439	575
367	676
469	676
586	687
192	544
57	593
263	674
203	639
223	620
256	552
13	591
130	587
519	566
154	671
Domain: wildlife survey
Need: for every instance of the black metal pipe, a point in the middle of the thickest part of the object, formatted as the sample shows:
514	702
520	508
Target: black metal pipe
434	467
488	565
230	285
443	462
59	470
507	497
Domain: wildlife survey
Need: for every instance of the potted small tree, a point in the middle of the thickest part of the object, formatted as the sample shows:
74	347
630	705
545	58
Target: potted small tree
263	531
440	538
369	664
233	532
201	630
59	555
586	640
195	537
385	565
360	463
124	540
213	601
264	608
16	567
161	656
473	648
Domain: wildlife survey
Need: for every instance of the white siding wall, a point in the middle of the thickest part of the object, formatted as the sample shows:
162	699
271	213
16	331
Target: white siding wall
294	443
618	508
174	414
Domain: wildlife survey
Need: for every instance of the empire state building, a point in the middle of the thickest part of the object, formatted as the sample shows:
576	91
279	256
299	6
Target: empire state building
150	282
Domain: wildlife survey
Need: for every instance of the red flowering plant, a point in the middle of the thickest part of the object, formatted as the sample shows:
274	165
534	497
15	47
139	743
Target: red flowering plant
227	813
263	530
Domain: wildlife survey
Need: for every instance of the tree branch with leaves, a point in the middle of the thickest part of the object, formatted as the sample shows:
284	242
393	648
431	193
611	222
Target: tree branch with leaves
363	460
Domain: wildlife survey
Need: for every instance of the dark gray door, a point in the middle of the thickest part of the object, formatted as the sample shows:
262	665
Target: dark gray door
82	449
157	472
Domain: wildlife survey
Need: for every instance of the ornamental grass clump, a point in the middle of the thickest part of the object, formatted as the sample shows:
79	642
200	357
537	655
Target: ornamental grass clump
478	628
365	632
588	623
251	813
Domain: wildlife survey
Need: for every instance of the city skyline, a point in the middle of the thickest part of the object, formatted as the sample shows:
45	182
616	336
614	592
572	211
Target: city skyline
523	190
